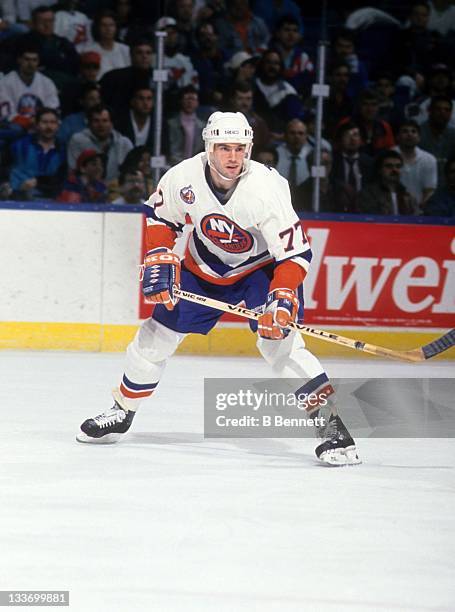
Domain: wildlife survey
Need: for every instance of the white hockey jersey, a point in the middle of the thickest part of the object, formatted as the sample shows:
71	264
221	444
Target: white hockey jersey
17	98
255	227
74	26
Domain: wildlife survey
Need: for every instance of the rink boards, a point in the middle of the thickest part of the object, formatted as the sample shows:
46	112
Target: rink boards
69	278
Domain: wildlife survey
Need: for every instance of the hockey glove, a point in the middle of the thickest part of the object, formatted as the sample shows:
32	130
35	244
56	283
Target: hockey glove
281	308
161	275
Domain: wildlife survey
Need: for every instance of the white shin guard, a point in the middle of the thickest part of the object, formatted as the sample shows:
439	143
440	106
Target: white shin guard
147	354
289	358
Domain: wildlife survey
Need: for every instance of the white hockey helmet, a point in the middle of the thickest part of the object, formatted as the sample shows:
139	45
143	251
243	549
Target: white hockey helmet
228	128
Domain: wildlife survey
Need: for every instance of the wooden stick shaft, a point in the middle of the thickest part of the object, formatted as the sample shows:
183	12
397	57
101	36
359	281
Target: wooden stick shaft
413	356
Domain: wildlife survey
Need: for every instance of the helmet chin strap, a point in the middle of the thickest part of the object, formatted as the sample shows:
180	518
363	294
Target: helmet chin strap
225	178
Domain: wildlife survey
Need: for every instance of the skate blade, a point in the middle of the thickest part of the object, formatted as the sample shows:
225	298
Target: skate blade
107	439
340	457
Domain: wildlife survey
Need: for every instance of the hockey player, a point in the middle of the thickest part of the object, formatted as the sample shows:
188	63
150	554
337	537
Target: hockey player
247	246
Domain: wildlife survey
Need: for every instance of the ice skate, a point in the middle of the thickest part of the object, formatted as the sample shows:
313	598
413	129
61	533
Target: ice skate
108	427
337	448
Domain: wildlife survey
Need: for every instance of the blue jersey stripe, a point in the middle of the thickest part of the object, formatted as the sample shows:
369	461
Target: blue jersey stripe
136	386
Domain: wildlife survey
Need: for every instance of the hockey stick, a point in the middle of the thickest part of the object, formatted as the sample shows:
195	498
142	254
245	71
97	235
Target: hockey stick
415	355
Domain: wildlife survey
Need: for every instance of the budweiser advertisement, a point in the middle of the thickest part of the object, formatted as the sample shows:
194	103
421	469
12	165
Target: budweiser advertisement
377	275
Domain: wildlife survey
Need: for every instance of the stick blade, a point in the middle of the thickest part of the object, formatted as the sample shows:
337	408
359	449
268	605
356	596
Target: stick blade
439	345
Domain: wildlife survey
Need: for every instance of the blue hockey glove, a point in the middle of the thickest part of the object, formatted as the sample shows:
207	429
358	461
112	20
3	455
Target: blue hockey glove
161	275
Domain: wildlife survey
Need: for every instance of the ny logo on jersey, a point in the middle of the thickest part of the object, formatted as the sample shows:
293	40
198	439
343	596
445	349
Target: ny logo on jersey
226	234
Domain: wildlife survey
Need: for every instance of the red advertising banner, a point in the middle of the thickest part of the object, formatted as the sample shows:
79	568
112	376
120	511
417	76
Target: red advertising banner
377	275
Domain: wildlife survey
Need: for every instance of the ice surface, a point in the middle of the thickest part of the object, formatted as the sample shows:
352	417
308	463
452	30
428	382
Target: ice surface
168	521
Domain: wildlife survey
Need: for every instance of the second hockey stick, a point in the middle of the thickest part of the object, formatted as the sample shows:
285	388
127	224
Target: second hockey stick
441	344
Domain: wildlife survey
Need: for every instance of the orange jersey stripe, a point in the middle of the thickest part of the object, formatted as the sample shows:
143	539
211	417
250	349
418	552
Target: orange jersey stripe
133	394
287	274
159	236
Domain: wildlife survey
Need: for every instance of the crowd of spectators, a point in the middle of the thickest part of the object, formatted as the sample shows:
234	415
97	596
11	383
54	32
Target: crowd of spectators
77	97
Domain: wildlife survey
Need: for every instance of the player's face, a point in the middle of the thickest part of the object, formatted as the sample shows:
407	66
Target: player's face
228	159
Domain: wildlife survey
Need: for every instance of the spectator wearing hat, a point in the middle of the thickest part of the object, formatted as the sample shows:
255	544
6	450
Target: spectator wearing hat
208	61
72	24
436	135
184	130
137	124
241	100
90	66
241	30
85	184
287	40
181	71
25	90
101	136
39	162
385	194
241	68
117	85
113	54
442	202
58	55
70	95
420	169
90	97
